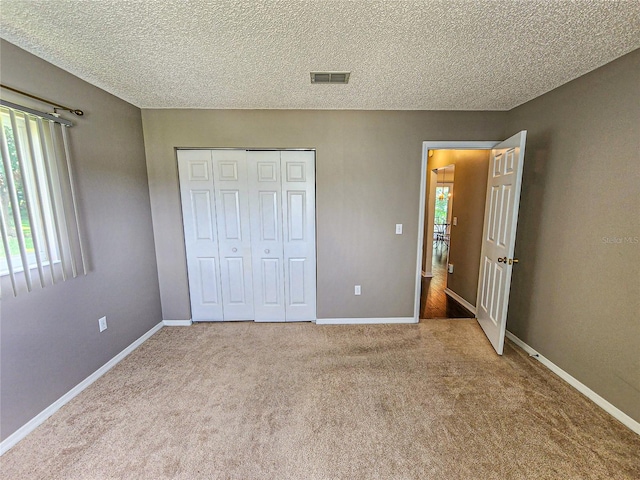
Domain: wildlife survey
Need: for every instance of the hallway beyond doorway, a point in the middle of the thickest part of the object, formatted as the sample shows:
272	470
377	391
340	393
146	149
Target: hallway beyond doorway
434	303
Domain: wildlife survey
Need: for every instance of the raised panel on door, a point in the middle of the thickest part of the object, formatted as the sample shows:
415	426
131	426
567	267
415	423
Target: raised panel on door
298	292
201	214
296	215
298	212
200	232
266	235
270	273
207	281
236	288
233	225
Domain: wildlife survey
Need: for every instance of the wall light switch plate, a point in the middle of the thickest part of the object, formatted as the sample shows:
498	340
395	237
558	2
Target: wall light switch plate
102	323
455	221
357	290
450	269
398	229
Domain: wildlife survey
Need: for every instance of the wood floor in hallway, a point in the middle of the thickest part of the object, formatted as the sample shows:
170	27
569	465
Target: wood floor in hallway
434	303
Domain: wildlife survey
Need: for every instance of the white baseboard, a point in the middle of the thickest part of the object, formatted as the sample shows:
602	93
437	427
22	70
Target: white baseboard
581	387
364	321
460	300
177	323
32	424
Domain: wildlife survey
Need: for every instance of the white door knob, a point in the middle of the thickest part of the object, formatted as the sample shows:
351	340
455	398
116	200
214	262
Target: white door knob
267	251
234	249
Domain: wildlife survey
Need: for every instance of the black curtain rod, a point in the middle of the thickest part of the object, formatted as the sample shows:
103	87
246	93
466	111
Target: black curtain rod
55	110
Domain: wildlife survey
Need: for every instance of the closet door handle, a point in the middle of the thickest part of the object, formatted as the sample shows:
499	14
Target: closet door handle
267	251
234	249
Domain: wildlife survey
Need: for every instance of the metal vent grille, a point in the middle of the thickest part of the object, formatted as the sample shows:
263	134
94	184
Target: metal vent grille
330	77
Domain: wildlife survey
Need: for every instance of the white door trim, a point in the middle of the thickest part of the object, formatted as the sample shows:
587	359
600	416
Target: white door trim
426	146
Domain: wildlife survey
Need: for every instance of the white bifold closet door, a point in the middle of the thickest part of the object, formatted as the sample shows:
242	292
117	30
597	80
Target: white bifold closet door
234	232
265	198
200	233
249	226
299	227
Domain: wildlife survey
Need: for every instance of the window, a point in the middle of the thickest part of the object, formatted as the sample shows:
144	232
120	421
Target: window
38	217
443	194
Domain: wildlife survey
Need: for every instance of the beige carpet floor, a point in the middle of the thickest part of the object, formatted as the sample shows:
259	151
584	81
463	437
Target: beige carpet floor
300	401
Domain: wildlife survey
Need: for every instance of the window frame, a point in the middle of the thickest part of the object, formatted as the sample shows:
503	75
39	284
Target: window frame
38	183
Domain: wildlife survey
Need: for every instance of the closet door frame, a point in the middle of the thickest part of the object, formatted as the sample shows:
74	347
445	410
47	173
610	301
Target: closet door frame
297	195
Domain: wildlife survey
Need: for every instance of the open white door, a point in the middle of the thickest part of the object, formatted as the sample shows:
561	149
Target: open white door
499	237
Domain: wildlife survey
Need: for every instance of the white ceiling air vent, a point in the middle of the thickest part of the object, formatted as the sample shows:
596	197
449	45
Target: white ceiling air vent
330	77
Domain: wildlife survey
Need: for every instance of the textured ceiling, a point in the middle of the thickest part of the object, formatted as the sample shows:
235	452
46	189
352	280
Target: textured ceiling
406	55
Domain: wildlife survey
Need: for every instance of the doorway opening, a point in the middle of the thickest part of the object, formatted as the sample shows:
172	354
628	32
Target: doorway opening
499	227
455	182
434	301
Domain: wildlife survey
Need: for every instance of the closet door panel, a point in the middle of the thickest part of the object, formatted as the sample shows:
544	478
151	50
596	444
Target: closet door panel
266	235
200	234
298	206
232	198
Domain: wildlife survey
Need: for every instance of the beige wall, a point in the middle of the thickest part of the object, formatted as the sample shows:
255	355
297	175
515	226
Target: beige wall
469	190
368	179
49	338
575	295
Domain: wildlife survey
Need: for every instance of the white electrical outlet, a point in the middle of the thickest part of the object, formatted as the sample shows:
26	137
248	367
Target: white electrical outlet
102	322
357	290
398	229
